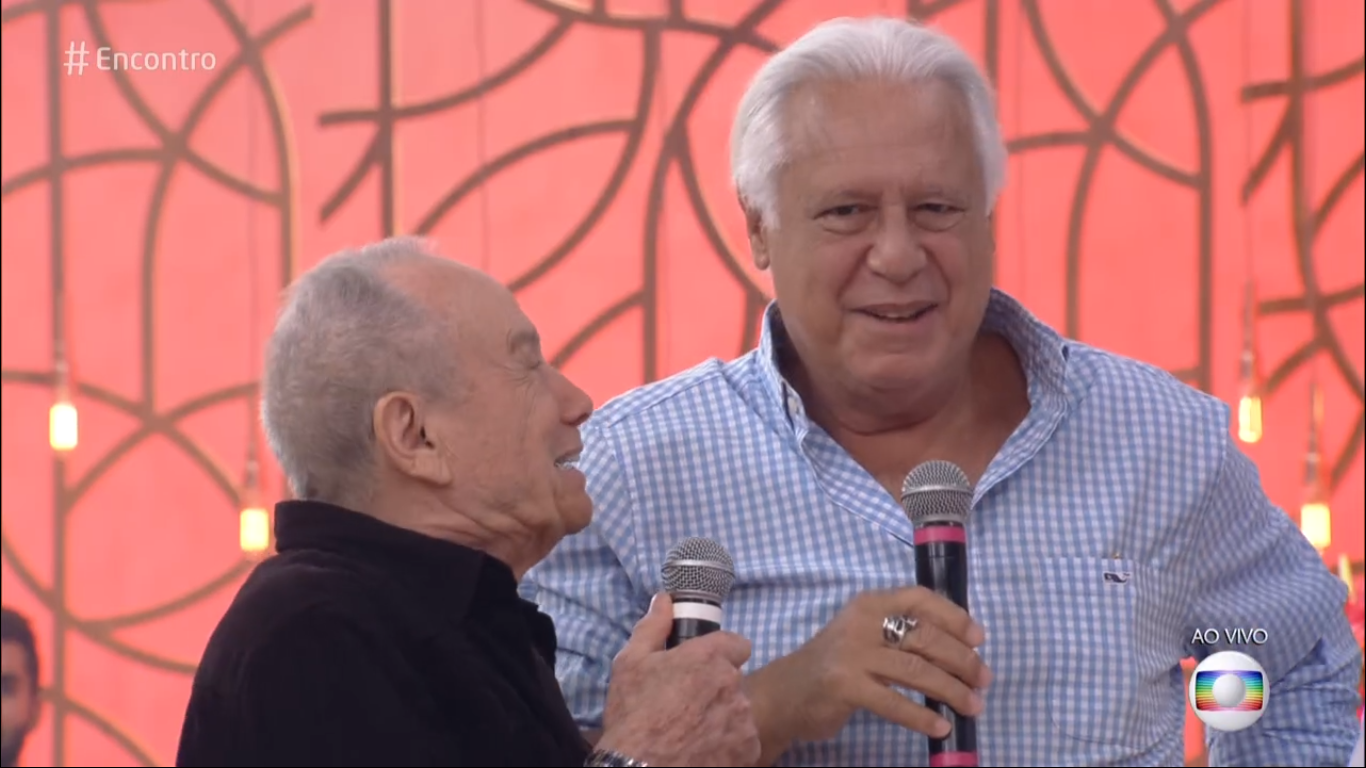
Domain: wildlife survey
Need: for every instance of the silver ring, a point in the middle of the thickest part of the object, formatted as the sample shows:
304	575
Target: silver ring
895	629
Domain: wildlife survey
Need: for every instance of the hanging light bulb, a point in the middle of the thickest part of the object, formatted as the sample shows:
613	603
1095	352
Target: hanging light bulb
254	529
1316	523
63	431
1250	400
1316	517
253	522
1250	415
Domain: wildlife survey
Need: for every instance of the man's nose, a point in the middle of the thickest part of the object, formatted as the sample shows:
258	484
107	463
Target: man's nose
897	254
577	406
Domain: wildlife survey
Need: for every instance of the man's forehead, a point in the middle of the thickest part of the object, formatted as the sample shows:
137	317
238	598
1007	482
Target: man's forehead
471	301
432	281
824	115
926	148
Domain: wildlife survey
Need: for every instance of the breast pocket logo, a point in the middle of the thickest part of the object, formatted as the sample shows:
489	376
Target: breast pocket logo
1228	691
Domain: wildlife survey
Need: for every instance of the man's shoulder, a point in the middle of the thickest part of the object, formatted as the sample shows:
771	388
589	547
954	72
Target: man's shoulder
308	580
1110	383
710	389
287	602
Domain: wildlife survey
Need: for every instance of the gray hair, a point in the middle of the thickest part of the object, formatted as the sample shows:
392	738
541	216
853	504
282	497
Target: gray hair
346	337
849	49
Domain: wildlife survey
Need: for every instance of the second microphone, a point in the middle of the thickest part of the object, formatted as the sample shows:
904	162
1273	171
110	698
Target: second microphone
698	574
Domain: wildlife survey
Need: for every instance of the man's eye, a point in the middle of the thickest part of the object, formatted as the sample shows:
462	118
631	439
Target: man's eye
843	210
937	217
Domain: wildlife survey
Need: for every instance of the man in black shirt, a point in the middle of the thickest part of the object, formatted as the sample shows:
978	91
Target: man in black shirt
431	449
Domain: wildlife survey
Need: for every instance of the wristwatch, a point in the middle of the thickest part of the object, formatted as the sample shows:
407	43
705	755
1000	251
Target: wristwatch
604	759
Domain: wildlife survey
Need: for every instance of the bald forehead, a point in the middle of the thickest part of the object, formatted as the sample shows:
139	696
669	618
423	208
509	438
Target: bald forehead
480	310
448	289
427	277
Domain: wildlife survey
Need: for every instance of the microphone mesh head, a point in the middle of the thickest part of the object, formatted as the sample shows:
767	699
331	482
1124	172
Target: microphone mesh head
936	492
699	568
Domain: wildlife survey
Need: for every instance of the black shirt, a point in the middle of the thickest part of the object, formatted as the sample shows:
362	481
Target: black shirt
362	644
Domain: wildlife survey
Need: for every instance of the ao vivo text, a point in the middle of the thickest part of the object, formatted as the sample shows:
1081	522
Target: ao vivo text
1234	636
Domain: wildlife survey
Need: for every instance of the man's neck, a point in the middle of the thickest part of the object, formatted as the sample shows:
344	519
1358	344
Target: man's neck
424	514
963	418
845	408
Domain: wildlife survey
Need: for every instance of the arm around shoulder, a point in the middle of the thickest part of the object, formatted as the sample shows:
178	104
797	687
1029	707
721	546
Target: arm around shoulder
1260	573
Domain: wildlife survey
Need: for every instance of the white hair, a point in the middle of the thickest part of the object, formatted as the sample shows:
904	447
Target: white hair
346	337
844	50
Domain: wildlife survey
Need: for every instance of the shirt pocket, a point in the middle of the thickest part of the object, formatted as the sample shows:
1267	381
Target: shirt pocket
1114	675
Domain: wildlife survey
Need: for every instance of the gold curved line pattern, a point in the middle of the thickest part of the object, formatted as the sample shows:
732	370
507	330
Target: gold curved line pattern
1175	28
1102	127
635	136
174	605
163	423
387	116
1256	91
443	103
675	20
1301	303
19	10
67	622
106	726
99	631
1289	141
30	177
178	142
137	751
687	169
174	150
675	140
514	156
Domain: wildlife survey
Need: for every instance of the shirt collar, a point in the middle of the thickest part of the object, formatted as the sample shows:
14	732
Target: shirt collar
1043	353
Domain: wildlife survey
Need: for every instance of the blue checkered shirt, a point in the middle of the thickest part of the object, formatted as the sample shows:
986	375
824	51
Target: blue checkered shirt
1118	469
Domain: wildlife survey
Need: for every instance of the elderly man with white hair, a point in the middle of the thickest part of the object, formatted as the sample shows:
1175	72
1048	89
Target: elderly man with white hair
430	447
1112	516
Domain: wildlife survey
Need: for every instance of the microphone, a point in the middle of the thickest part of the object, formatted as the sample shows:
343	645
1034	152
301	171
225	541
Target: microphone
698	574
937	497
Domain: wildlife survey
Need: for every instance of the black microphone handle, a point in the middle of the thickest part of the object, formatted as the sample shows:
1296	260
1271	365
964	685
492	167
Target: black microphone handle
941	565
693	618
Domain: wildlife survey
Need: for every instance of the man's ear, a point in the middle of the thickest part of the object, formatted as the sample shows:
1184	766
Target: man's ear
406	441
758	237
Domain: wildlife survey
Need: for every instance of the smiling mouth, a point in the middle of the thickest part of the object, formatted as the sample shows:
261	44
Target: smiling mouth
906	314
568	462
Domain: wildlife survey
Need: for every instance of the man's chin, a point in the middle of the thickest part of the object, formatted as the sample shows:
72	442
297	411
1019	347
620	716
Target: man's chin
576	512
578	522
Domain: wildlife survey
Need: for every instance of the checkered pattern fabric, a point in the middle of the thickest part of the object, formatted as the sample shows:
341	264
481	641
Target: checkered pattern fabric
1116	521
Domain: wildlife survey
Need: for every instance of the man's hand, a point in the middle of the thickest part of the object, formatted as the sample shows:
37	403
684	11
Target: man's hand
679	707
811	694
